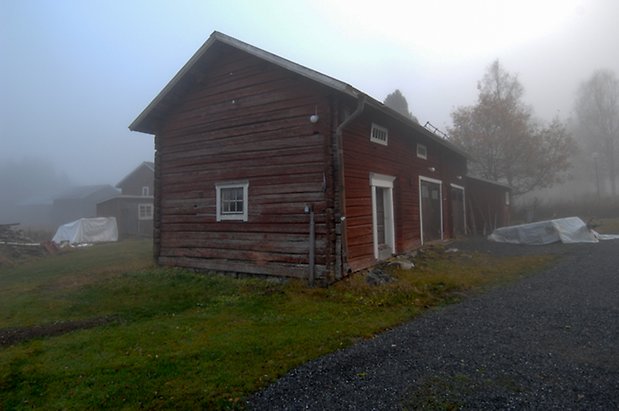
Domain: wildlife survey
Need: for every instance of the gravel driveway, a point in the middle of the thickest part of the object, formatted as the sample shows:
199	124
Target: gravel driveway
550	341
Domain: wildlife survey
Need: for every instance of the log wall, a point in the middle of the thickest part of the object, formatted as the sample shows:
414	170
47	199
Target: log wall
245	119
236	117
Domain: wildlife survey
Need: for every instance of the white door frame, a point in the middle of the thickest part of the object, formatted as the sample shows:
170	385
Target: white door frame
383	181
440	198
456	186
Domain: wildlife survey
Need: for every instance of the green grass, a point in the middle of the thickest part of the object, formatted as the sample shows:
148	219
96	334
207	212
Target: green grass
607	225
183	340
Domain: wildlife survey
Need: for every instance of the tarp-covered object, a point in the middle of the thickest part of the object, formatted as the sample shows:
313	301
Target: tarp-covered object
566	230
87	230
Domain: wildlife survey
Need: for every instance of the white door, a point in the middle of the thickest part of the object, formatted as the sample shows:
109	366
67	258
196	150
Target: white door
382	215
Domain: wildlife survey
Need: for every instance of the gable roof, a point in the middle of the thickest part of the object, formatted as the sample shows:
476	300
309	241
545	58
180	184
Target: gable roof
490	182
146	121
148	164
88	191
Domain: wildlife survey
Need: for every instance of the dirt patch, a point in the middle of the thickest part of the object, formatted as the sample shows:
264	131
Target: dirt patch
12	336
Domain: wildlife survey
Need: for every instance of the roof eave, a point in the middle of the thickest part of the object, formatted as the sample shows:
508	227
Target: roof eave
139	123
411	123
144	123
491	182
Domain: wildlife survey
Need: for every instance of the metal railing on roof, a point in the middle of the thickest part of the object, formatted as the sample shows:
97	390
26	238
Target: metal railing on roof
432	128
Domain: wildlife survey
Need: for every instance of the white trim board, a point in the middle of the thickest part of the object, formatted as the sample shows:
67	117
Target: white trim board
386	182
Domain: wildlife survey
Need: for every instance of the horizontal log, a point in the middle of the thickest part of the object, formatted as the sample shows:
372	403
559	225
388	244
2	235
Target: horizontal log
203	192
257	210
278	144
254	256
240	236
270	143
235	117
259	130
251	257
282	242
226	226
280	270
312	172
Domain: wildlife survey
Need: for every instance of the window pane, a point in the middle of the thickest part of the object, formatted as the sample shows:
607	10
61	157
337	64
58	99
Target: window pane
145	211
232	200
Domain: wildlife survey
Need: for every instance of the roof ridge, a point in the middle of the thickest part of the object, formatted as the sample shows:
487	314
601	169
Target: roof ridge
140	123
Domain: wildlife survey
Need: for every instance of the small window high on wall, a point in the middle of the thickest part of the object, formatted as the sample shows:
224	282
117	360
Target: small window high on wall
422	151
379	134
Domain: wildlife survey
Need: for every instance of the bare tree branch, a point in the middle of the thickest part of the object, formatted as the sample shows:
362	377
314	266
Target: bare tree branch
505	143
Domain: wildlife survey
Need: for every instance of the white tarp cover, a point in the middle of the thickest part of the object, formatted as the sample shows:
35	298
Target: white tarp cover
87	230
566	230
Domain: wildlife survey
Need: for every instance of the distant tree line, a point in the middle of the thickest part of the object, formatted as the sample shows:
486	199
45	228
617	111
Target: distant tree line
597	124
507	144
30	179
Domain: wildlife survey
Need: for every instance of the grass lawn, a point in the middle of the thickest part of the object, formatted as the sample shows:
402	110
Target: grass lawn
607	225
171	338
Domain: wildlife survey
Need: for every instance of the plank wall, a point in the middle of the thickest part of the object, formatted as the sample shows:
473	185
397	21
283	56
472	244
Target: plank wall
399	159
487	208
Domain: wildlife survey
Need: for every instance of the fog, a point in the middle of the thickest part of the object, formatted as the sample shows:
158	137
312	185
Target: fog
74	74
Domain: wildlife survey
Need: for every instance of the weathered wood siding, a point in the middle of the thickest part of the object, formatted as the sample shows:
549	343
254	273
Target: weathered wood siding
126	211
487	208
133	184
398	159
245	119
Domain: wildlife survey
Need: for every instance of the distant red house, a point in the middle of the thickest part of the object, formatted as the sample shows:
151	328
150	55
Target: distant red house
133	208
265	166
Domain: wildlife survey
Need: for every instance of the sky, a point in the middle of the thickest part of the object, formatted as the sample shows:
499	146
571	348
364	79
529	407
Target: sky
74	74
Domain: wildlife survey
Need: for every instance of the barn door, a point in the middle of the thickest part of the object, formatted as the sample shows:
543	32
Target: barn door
458	215
430	199
382	215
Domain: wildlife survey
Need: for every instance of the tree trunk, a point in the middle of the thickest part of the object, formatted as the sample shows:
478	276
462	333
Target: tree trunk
610	150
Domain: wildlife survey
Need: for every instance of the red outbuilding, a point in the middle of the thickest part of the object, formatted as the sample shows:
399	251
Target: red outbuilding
265	166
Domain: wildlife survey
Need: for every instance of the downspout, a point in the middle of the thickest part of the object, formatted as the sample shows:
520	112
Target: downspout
157	202
312	245
340	224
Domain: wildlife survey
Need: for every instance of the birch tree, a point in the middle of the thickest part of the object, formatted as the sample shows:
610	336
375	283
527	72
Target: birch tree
505	143
597	112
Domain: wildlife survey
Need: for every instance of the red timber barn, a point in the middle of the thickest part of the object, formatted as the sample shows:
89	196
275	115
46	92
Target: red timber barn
264	166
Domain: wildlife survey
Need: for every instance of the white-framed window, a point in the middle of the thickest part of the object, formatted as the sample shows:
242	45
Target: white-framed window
145	191
145	211
232	200
422	151
379	134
